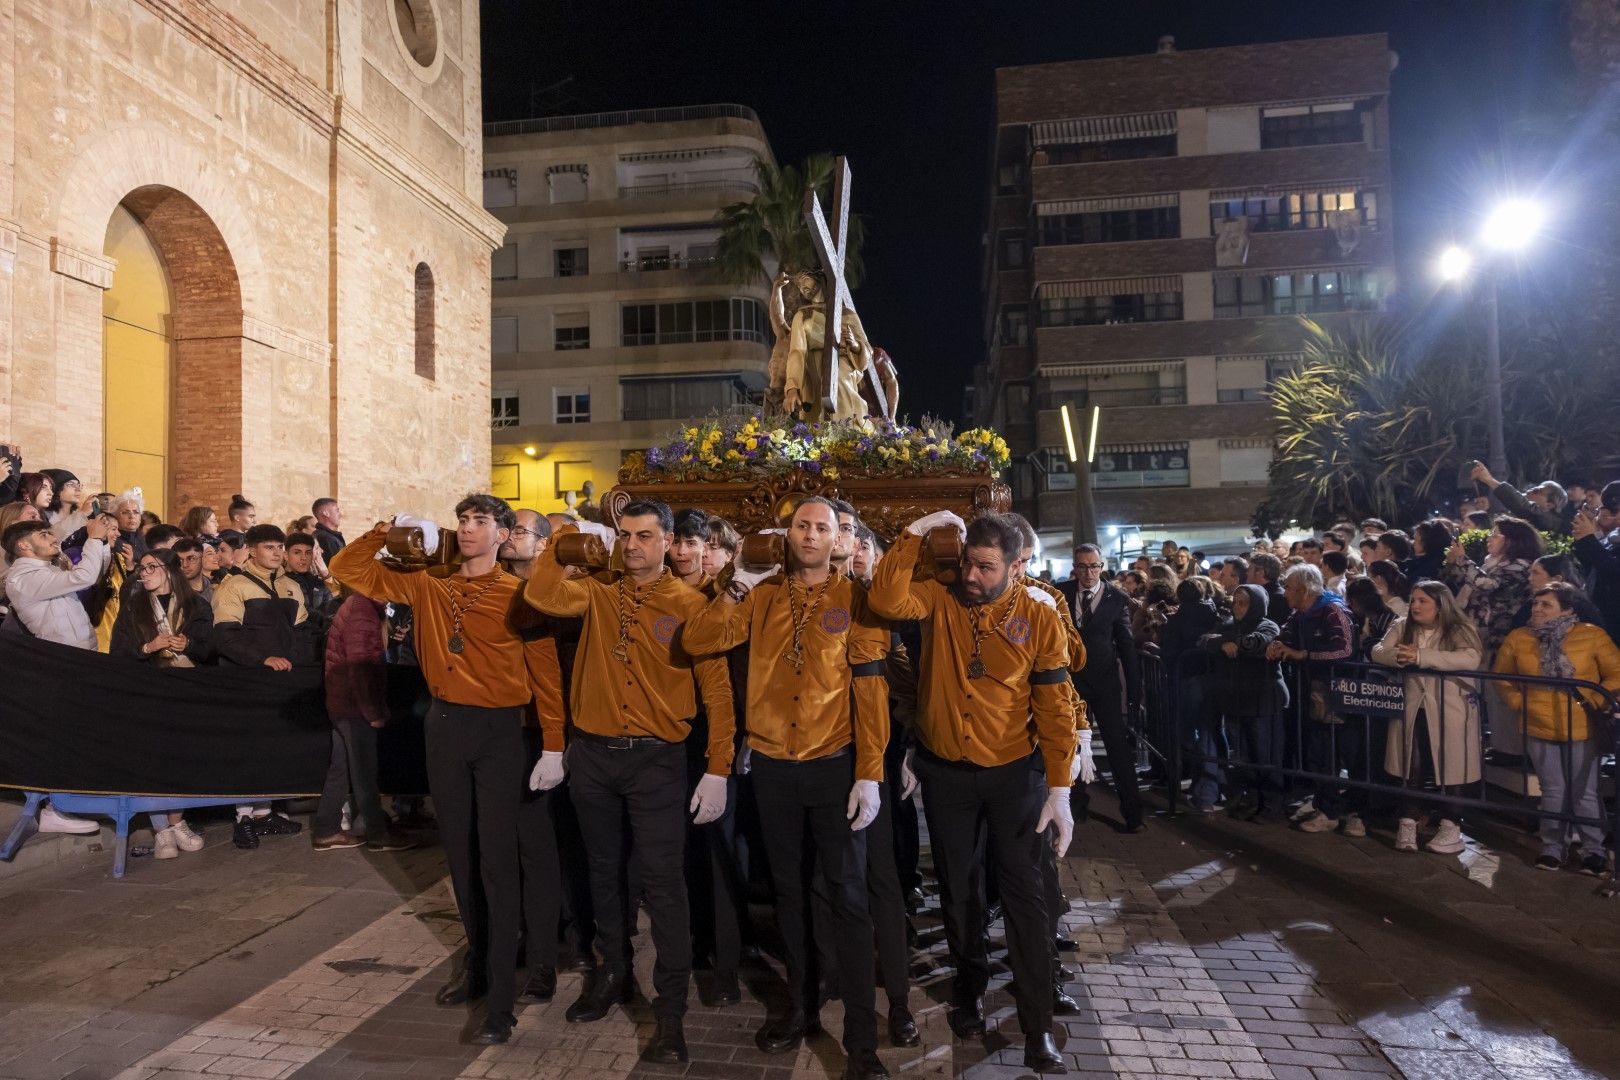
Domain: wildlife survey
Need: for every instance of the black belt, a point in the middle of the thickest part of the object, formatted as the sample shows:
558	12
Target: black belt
622	742
843	751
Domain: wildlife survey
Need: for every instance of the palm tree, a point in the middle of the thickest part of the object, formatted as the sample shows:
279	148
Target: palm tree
770	227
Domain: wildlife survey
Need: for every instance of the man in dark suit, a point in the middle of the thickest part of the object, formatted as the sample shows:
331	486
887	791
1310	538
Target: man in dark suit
1266	572
1103	614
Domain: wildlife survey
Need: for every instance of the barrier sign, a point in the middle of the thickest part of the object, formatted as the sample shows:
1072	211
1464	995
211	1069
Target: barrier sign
1369	693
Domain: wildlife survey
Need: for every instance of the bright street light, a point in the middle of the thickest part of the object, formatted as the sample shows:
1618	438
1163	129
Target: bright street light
1454	263
1513	224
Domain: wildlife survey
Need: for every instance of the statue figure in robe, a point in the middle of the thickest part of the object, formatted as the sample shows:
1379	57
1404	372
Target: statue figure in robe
802	389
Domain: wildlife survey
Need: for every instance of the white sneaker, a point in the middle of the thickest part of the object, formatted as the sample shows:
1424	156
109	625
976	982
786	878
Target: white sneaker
164	845
51	820
347	822
1305	810
1318	823
1448	841
1406	835
186	838
1354	826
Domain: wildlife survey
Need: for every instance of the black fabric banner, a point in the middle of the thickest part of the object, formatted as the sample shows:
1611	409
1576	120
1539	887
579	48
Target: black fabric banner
77	721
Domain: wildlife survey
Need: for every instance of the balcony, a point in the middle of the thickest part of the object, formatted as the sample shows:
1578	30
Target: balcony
740	185
652	264
1145	395
622	118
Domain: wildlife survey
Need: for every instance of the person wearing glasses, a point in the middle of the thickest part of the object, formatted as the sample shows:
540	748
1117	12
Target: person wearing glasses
1103	615
849	524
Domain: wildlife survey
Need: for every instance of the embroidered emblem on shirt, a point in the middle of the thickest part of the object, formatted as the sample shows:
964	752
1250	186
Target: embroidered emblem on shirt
1017	630
664	629
835	620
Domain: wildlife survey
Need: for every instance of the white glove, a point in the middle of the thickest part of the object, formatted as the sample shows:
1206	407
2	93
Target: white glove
1041	596
430	530
597	529
922	525
749	578
1056	812
548	771
1083	768
908	778
864	801
709	800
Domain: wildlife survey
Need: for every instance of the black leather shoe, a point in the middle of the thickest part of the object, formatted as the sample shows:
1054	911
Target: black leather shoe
495	1030
608	989
863	1065
788	1032
1062	973
669	1044
902	1027
584	963
1065	944
243	834
542	985
464	987
1135	827
967	1018
1062	1003
726	991
1041	1055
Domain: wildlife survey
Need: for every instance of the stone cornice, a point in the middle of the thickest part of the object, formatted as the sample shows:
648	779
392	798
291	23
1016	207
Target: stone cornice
89	267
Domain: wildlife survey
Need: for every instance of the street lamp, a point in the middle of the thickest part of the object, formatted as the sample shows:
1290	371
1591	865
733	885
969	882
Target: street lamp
1510	227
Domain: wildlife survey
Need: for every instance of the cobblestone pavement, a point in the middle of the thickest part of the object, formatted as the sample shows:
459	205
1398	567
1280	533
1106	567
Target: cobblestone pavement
1208	948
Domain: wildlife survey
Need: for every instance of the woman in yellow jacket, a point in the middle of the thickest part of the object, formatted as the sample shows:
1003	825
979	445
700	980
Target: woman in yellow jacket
1558	737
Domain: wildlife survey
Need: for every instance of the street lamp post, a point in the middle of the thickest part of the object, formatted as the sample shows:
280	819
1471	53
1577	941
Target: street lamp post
1085	507
1496	456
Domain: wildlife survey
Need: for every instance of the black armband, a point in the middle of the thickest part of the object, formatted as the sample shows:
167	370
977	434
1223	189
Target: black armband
1049	677
871	667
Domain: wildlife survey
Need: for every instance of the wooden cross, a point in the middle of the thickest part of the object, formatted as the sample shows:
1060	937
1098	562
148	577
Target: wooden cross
832	246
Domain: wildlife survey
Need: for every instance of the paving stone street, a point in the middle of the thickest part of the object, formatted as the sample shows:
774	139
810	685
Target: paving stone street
1208	948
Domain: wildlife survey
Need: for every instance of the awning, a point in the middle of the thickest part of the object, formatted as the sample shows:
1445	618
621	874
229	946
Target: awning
1144	448
674	155
1254	442
553	170
1052	290
1135	368
1102	129
1098	206
1321	187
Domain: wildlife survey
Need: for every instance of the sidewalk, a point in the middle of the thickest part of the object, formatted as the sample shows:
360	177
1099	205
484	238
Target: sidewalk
1207	948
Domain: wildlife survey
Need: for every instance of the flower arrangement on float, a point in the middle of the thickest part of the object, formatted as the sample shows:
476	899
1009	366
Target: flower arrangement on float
741	448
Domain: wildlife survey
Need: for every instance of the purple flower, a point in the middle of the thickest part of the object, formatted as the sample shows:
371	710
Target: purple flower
655	456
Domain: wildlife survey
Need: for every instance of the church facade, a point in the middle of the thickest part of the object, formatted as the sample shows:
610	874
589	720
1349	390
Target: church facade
242	249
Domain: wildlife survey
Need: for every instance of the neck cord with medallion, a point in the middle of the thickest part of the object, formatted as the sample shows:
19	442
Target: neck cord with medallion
801	614
631	598
976	668
459	611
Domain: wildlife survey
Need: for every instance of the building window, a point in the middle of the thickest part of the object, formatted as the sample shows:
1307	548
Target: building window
1310	125
503	264
572	406
568	183
503	409
503	334
1245	466
674	399
1149	146
684	321
571	261
572	331
424	321
1250	378
1014	250
1301	292
1111	226
1014	325
651	258
1010	178
1163	384
1294	210
1102	310
500	187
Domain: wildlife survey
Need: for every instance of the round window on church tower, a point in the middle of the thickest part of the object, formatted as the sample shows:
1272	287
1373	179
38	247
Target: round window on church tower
416	29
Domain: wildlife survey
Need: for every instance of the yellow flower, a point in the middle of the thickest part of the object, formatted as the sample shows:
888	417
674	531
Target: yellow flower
780	434
732	455
753	444
905	454
831	472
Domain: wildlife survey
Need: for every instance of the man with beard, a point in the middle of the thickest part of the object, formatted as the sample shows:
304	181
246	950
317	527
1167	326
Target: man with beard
996	743
818	714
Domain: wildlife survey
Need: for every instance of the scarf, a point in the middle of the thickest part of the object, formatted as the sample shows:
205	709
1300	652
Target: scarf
160	615
1550	635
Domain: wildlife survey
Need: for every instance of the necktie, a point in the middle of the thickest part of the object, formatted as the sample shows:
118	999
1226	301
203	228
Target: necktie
1085	608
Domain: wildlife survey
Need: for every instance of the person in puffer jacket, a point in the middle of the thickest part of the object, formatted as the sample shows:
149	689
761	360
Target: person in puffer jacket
1248	691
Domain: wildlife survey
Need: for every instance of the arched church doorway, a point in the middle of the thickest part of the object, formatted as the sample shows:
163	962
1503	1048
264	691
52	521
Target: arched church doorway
172	341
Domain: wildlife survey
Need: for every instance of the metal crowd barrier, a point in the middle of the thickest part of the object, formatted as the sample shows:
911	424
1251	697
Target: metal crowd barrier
1334	731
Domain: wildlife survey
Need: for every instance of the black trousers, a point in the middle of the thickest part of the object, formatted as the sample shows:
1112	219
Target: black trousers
716	871
476	775
574	866
902	814
353	769
970	809
541	869
1108	720
813	796
647	783
887	901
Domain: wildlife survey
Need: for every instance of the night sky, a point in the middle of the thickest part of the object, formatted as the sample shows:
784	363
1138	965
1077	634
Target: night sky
905	91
